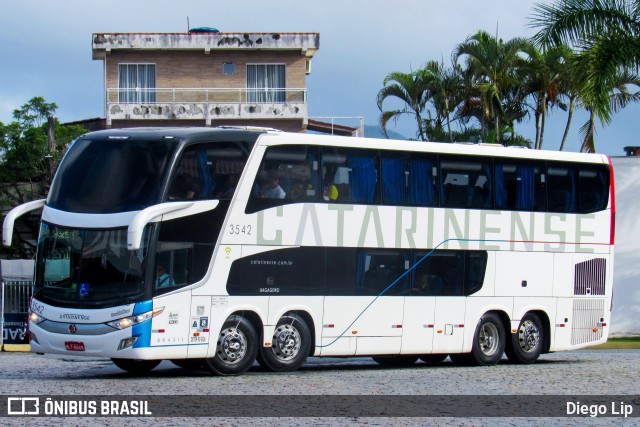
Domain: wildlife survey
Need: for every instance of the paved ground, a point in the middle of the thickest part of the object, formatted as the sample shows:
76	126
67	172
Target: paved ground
587	372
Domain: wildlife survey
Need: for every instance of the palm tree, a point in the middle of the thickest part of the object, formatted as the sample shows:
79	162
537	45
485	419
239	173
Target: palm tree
410	88
545	71
492	64
620	96
607	32
446	86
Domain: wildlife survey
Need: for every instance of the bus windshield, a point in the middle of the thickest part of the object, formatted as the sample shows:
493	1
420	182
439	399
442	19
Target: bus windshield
107	176
89	268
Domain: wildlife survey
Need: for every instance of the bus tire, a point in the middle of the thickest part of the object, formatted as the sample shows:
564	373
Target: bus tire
397	360
488	343
526	345
189	363
290	345
489	340
136	366
236	347
433	359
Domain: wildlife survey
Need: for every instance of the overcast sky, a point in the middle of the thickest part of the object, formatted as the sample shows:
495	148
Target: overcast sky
45	49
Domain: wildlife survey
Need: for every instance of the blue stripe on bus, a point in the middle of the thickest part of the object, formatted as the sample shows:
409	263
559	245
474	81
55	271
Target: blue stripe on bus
142	330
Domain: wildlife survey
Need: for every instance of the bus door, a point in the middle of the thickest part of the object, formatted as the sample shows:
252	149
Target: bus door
374	315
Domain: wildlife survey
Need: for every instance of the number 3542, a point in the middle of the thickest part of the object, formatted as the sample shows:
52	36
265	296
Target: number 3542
240	229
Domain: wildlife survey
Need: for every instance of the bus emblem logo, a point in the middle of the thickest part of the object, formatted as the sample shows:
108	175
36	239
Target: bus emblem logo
73	329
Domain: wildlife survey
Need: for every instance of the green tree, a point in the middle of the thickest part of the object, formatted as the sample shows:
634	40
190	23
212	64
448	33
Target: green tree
447	86
606	36
27	163
412	89
493	68
546	73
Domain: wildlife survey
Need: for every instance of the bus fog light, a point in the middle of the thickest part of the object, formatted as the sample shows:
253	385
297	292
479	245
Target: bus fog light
127	342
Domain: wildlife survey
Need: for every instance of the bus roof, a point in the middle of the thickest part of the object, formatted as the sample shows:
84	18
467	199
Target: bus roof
494	150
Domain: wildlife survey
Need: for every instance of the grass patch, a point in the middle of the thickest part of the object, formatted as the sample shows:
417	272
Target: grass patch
622	343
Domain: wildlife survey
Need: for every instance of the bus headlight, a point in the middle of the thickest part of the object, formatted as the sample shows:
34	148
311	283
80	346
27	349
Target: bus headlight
127	322
35	318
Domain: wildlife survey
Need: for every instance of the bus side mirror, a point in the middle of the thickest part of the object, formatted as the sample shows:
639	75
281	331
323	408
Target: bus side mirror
15	213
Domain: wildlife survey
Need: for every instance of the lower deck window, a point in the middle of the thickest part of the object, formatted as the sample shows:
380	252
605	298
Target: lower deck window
364	272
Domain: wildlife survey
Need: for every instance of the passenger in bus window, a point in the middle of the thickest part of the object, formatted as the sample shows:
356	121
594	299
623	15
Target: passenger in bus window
330	192
298	191
427	284
272	189
184	187
163	279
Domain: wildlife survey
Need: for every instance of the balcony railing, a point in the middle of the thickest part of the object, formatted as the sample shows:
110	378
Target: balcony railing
207	104
207	95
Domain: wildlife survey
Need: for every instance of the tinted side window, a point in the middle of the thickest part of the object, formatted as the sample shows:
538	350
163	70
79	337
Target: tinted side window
448	273
593	189
207	171
466	182
340	271
520	185
408	179
349	175
288	174
441	273
562	188
184	249
379	269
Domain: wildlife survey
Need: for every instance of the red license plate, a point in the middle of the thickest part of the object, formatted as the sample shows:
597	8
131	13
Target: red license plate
74	346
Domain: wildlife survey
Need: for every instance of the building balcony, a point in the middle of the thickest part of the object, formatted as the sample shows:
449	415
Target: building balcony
206	104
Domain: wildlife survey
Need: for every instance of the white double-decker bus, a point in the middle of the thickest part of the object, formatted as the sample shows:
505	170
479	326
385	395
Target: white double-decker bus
219	247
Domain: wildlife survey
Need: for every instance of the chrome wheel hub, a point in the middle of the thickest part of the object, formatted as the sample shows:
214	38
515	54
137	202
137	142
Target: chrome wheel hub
528	336
286	342
232	345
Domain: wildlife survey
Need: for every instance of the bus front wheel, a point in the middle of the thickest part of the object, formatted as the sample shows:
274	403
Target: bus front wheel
525	346
290	345
136	366
236	347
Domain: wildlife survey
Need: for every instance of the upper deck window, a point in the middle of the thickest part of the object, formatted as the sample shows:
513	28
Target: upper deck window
208	171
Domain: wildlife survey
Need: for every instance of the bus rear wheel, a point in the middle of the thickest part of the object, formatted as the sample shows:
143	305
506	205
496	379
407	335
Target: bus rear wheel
488	343
290	345
525	346
236	347
136	366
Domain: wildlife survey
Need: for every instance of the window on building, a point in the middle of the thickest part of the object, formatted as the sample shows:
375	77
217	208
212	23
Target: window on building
266	83
136	83
229	68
